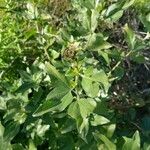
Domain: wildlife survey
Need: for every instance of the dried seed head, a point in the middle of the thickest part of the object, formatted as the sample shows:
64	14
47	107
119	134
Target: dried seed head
70	52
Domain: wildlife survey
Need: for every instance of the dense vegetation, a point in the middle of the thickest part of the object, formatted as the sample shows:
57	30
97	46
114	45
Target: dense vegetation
74	74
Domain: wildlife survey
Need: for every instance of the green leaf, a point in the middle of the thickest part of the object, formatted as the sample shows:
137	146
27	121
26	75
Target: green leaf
94	19
128	3
86	19
110	130
83	129
148	17
105	56
5	145
138	58
63	139
119	73
68	126
2	103
80	110
145	22
86	106
53	71
64	35
32	145
112	9
25	86
102	138
26	77
1	130
132	143
32	10
116	16
130	36
41	129
102	107
88	4
74	110
51	105
99	120
101	77
58	92
11	131
97	76
65	102
91	89
17	147
96	42
30	33
146	146
115	11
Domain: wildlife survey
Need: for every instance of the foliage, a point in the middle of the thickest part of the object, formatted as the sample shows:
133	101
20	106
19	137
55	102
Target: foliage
69	74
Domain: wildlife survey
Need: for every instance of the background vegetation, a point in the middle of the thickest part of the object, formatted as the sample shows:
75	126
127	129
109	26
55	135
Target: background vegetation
74	74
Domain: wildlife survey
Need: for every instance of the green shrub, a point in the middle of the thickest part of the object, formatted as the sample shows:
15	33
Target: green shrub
69	75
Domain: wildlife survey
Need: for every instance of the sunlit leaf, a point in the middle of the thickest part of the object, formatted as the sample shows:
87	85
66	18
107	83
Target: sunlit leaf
132	143
91	89
94	20
86	106
99	120
130	36
100	137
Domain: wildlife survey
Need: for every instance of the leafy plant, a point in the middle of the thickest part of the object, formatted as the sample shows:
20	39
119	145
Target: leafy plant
69	78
